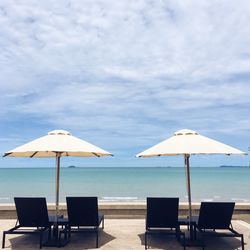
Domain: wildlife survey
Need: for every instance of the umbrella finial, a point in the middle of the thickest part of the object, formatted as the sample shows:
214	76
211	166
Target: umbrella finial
59	132
186	132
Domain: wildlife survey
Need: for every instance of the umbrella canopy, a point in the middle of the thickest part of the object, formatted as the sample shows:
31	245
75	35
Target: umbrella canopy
188	142
56	144
57	141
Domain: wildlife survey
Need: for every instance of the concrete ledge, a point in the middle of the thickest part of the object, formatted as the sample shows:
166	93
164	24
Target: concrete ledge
127	210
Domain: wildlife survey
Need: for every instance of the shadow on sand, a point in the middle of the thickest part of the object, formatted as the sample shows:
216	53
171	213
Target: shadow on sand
159	241
84	240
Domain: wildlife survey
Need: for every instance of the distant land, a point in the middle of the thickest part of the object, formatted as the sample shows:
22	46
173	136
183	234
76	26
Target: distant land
231	166
71	166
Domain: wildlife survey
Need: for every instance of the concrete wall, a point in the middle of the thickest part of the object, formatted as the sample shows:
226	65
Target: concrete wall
128	210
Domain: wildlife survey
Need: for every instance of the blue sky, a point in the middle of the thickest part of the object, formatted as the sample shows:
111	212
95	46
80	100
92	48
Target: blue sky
125	75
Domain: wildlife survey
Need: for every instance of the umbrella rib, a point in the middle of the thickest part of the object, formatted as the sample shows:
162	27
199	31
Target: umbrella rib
6	154
34	154
95	154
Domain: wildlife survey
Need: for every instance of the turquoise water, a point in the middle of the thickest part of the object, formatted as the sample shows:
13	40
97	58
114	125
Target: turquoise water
126	184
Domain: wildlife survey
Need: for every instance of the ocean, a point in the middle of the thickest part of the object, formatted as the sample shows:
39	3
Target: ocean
127	184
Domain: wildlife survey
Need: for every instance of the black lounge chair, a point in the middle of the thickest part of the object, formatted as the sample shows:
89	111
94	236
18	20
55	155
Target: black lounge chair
83	215
162	217
217	216
32	218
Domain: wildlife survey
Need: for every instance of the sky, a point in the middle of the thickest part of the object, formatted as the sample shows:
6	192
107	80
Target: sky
125	75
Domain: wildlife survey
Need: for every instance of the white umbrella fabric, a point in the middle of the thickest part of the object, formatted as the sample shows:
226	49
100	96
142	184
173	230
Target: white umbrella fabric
188	142
56	144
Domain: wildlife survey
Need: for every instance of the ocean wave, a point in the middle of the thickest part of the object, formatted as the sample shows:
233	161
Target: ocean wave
240	200
4	198
217	197
207	200
121	198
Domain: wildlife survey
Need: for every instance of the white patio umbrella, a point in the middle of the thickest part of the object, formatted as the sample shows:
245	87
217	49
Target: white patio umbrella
188	142
56	144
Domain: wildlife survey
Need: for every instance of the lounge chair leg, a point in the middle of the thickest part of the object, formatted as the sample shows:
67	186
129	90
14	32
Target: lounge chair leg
103	223
195	233
177	233
242	242
49	233
66	234
41	240
69	232
146	240
184	241
3	242
97	239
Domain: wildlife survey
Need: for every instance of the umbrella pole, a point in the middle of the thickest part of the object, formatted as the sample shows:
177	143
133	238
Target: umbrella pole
186	156
57	190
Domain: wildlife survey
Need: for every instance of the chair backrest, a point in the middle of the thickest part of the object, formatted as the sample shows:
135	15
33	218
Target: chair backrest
32	211
82	211
162	212
215	215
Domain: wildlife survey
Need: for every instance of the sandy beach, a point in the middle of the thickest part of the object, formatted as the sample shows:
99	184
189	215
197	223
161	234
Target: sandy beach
124	229
124	234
